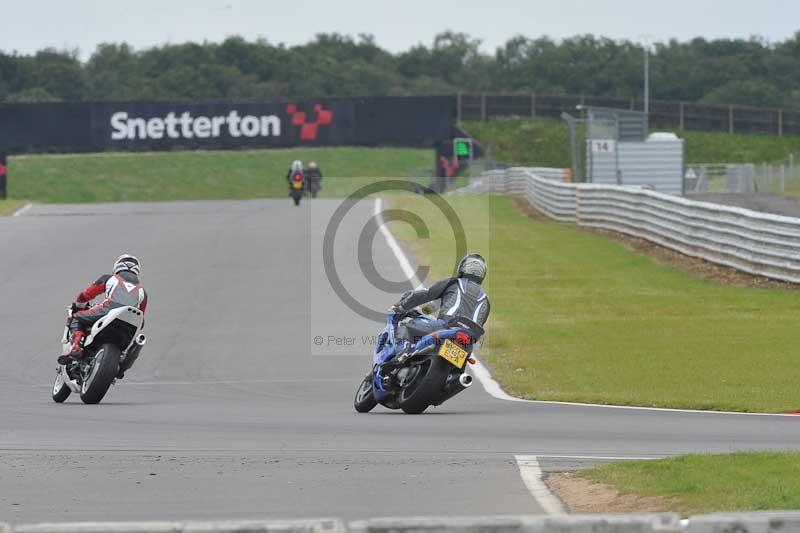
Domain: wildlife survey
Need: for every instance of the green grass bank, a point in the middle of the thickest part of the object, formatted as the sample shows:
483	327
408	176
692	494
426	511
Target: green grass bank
697	484
9	206
545	142
198	175
579	317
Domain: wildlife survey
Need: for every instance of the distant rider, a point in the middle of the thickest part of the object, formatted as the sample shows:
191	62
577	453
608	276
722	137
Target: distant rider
296	169
313	176
122	288
461	296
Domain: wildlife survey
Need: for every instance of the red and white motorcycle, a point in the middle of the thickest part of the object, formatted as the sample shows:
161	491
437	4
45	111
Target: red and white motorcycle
109	350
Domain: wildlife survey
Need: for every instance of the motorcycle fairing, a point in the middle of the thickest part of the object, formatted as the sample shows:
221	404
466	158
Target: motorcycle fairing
385	347
131	315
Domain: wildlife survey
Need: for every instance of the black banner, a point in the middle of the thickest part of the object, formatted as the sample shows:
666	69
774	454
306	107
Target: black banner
138	125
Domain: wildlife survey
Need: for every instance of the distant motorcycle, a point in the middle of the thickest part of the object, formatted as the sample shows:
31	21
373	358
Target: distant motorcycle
314	186
109	350
297	185
430	374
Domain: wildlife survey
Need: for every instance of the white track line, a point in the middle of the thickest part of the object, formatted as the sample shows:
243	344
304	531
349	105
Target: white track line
490	385
601	457
405	264
506	396
22	210
485	377
531	475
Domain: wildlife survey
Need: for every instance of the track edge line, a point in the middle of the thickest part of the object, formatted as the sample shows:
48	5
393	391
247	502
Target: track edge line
531	474
22	210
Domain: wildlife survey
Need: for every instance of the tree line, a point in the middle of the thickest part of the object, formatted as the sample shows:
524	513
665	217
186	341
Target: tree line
723	71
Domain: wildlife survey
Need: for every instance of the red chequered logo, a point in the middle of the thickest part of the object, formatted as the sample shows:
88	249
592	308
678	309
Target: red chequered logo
2	169
310	129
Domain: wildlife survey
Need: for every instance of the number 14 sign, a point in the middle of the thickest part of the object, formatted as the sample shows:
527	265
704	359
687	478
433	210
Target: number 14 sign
603	146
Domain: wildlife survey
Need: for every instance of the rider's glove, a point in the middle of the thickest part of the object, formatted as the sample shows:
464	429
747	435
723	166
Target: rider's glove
77	306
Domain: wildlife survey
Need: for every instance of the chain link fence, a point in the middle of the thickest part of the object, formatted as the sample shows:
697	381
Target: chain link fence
663	114
744	178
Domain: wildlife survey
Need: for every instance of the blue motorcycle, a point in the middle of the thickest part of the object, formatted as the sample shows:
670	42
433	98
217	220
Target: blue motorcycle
429	373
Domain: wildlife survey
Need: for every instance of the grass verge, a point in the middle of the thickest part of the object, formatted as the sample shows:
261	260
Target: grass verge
578	317
9	206
198	175
545	142
696	484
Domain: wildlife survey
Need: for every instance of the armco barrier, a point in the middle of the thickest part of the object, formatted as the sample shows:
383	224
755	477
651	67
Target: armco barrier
331	525
513	180
524	524
762	522
758	243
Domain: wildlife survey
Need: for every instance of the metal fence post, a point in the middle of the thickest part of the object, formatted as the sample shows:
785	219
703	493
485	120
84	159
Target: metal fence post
730	119
783	178
458	107
780	122
681	119
573	144
3	177
483	106
533	104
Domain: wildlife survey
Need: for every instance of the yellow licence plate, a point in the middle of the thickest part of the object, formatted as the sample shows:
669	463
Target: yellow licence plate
297	184
453	353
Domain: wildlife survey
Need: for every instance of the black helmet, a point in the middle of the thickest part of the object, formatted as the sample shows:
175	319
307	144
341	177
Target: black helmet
472	266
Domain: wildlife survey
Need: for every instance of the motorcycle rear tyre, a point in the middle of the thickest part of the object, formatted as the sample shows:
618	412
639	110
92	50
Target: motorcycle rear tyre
104	369
428	391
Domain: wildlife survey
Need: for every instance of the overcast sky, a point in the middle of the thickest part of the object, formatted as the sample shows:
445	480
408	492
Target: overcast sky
29	25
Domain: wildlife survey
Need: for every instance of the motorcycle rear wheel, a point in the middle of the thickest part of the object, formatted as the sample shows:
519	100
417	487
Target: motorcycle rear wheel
101	374
425	390
365	400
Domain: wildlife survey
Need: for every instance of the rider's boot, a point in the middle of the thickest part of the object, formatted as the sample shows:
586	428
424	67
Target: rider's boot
400	355
77	349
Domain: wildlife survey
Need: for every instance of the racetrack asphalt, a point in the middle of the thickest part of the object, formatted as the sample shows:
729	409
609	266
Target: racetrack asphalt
232	411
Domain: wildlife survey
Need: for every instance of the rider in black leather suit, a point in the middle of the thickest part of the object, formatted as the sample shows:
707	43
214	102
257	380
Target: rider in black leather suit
461	296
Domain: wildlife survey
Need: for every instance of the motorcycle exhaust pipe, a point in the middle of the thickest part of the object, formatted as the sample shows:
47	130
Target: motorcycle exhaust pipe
133	353
454	386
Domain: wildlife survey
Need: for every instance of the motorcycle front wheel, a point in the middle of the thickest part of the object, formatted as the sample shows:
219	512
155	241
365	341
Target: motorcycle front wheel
60	389
101	373
365	401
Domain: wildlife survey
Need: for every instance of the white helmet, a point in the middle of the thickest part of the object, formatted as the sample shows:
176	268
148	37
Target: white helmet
297	166
127	262
472	266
